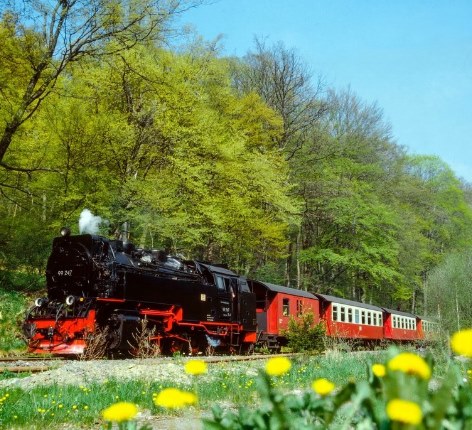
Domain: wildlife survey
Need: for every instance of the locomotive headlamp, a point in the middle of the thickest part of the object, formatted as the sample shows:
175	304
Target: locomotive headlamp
39	302
65	231
70	300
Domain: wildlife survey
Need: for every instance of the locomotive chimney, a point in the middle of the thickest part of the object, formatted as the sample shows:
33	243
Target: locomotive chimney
125	232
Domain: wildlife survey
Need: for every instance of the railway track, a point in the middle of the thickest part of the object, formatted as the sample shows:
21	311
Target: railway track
28	358
28	364
24	364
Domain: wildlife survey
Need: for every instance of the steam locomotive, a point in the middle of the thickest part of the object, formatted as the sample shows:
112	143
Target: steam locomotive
96	285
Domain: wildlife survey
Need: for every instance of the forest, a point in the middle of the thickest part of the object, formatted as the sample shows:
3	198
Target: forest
252	162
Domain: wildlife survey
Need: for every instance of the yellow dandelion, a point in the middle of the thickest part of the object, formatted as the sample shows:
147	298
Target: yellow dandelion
119	412
461	342
379	370
322	386
173	398
411	364
195	367
278	366
404	411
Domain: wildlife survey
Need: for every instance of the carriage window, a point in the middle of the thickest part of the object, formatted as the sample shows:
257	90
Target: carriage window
375	318
356	316
335	313
349	315
299	308
380	319
369	318
286	307
362	317
343	313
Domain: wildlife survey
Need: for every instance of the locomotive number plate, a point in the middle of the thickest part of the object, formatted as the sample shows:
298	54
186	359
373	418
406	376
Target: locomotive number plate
64	272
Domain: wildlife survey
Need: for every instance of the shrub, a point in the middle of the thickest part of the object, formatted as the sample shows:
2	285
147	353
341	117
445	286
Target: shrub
303	335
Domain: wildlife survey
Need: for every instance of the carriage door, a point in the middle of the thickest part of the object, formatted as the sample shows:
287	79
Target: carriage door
223	286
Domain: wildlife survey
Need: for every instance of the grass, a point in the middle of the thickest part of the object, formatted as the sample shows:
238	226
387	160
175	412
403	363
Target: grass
17	291
12	311
228	384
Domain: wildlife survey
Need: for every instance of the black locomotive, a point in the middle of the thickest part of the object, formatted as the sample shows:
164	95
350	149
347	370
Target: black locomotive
96	285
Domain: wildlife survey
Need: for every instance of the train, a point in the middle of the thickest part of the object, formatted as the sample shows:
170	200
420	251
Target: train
97	285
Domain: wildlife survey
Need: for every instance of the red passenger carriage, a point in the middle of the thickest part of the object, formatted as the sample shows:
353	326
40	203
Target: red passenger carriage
274	307
401	326
350	319
427	329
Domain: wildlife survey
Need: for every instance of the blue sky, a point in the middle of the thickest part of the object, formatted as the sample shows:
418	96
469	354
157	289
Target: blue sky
412	57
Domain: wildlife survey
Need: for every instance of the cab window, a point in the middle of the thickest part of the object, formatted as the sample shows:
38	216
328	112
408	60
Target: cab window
220	283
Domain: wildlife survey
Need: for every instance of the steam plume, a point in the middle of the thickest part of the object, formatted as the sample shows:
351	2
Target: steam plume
89	223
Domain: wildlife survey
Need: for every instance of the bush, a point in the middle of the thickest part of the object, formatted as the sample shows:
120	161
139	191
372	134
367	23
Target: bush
303	335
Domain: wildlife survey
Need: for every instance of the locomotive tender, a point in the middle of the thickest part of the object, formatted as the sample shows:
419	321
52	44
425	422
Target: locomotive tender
96	285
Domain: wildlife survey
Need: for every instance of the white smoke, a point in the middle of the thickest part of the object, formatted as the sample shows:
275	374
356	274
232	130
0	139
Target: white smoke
89	223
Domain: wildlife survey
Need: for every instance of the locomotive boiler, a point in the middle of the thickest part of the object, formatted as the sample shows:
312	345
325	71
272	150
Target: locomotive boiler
96	285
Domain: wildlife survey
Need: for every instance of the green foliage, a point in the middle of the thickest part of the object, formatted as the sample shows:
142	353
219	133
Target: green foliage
447	295
304	335
270	271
